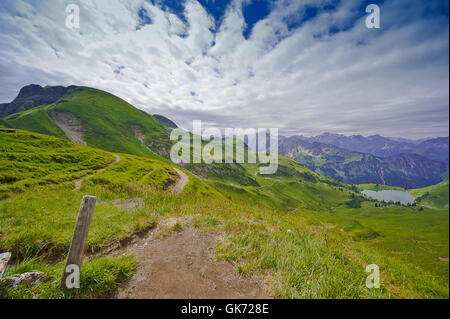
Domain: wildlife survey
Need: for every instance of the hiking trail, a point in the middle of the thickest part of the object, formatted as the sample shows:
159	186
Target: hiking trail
80	181
181	183
181	264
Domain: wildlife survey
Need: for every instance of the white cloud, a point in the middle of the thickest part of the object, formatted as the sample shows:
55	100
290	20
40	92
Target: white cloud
356	81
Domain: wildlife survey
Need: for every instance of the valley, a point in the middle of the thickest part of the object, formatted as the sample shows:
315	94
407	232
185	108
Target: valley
300	233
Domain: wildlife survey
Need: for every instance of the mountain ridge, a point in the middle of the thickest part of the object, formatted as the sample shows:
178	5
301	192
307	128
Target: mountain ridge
405	169
33	95
436	149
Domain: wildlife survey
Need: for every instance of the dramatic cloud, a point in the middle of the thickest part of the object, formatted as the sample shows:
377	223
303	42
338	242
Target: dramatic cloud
305	67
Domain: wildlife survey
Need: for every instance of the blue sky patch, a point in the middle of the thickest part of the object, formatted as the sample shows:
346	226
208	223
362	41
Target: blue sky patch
257	10
144	19
296	20
216	9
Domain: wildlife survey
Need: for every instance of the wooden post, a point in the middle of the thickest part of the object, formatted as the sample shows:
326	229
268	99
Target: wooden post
80	234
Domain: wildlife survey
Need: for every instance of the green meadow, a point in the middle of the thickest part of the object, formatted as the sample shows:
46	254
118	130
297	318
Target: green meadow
309	236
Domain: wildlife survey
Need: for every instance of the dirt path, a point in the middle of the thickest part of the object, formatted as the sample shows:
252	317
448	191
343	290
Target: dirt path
179	186
78	182
181	264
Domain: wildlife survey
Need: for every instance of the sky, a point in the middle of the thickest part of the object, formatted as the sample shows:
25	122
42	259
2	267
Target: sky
304	67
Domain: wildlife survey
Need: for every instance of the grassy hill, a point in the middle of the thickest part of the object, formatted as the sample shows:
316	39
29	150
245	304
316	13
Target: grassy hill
33	163
28	159
435	196
31	96
100	119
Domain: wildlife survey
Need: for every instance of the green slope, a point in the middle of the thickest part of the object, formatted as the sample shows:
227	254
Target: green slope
165	122
33	164
36	120
435	196
38	206
28	159
107	121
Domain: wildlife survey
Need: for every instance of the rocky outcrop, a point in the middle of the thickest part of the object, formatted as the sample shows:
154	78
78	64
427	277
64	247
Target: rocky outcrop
70	125
158	148
28	279
4	258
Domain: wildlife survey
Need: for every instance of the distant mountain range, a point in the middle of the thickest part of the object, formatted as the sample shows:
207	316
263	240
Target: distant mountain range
436	149
402	169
